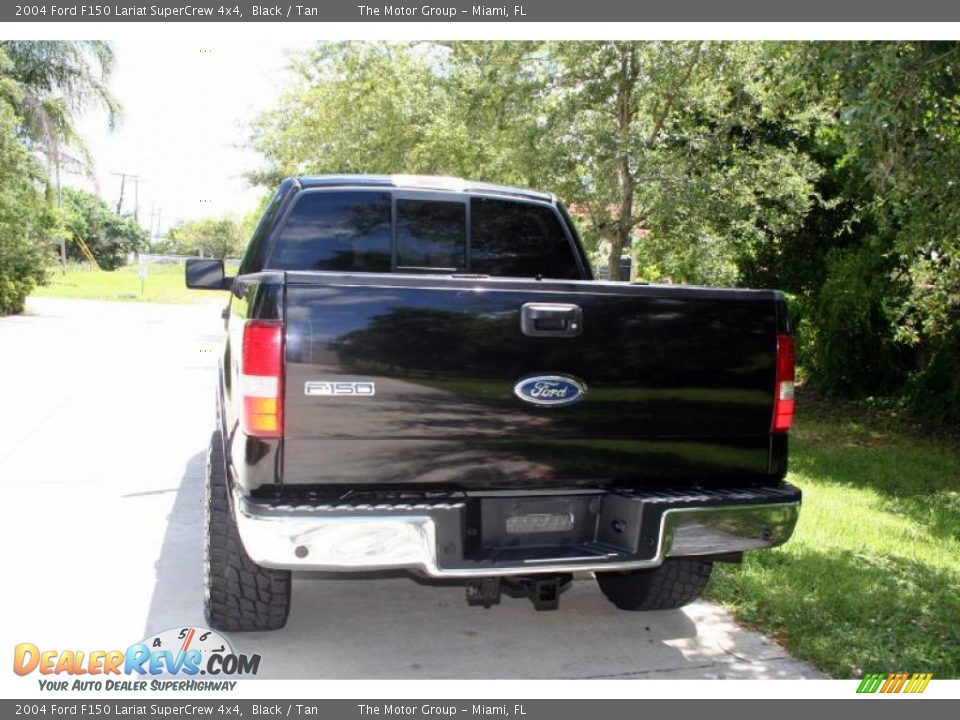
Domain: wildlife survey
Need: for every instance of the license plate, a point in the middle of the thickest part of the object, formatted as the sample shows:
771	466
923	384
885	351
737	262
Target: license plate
540	523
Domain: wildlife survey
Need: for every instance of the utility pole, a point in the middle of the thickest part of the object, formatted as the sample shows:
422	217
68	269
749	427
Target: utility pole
136	197
62	240
155	213
153	218
123	182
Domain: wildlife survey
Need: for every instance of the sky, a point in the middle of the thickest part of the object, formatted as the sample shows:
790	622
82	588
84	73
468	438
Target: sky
185	107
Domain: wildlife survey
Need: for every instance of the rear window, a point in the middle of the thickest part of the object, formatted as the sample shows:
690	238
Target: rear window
351	231
512	239
345	231
431	234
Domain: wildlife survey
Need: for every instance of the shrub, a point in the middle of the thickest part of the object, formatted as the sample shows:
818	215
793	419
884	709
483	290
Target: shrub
25	219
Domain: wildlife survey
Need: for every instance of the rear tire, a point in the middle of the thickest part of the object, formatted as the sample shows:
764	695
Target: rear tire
239	595
672	585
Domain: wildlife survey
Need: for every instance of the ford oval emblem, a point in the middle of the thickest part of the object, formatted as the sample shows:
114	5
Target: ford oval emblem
552	390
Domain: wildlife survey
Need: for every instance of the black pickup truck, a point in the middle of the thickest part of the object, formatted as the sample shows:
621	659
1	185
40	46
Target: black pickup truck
420	374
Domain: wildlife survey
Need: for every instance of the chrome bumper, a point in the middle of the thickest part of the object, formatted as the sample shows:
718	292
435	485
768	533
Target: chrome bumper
387	537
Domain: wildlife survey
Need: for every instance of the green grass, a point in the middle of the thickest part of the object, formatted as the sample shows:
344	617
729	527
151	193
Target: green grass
870	582
164	284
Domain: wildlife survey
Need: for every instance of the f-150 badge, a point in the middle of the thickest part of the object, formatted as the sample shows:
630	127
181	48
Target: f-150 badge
550	390
363	388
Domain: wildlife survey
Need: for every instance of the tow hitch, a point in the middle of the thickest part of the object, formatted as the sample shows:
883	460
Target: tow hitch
542	590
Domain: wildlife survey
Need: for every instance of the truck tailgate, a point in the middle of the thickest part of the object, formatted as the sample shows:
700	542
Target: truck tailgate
404	379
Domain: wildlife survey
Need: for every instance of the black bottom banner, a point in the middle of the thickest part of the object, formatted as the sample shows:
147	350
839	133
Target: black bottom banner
594	709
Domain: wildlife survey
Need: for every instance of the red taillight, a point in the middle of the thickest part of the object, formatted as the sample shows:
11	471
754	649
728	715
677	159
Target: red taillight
783	391
261	379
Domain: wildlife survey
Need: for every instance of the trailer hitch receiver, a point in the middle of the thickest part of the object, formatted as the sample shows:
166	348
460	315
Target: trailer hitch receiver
542	590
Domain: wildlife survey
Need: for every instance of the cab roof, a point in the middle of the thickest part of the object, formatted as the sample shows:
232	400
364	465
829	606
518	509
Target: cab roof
423	182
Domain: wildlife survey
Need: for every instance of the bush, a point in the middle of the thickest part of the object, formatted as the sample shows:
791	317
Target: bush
853	352
934	389
25	219
21	269
110	237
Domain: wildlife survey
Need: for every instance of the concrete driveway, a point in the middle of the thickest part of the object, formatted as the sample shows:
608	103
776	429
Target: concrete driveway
106	411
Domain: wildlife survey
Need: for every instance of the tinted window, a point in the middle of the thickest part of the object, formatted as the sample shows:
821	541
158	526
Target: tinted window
348	231
514	239
431	234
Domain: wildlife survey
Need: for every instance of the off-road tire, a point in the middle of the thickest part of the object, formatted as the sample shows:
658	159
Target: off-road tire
672	585
239	595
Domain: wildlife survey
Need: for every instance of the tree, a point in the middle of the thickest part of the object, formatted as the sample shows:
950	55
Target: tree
111	237
667	137
466	109
677	140
886	316
212	237
352	108
25	218
43	85
53	81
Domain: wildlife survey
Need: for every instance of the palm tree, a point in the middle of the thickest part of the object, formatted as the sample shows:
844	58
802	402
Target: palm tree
53	81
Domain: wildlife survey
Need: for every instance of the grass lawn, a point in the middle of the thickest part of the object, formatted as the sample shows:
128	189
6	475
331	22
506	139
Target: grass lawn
164	284
870	582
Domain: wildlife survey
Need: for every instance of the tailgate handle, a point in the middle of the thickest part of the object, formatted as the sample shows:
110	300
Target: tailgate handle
551	320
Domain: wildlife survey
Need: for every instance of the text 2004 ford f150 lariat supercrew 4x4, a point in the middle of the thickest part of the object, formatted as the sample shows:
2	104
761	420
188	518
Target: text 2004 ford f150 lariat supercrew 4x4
420	374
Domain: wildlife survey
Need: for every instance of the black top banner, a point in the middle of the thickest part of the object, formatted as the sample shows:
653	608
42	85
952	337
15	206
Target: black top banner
738	11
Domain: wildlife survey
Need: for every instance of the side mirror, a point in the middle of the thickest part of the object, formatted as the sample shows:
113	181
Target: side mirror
207	274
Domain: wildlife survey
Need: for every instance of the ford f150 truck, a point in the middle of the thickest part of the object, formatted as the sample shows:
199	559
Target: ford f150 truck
420	374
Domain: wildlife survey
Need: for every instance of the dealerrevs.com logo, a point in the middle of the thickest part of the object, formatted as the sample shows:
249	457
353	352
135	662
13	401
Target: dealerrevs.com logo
171	660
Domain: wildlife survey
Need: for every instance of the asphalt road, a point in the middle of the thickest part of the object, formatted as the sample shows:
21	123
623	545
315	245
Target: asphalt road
105	416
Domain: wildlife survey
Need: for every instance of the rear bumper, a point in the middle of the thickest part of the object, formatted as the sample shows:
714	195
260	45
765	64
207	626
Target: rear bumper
437	539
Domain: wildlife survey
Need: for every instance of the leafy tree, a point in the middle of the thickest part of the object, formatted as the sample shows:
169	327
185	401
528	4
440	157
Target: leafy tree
687	142
667	137
352	108
880	290
25	218
212	237
43	86
466	109
495	124
53	81
111	237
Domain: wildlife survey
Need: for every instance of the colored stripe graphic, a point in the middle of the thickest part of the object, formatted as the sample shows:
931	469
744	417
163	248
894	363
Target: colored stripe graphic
894	682
870	683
